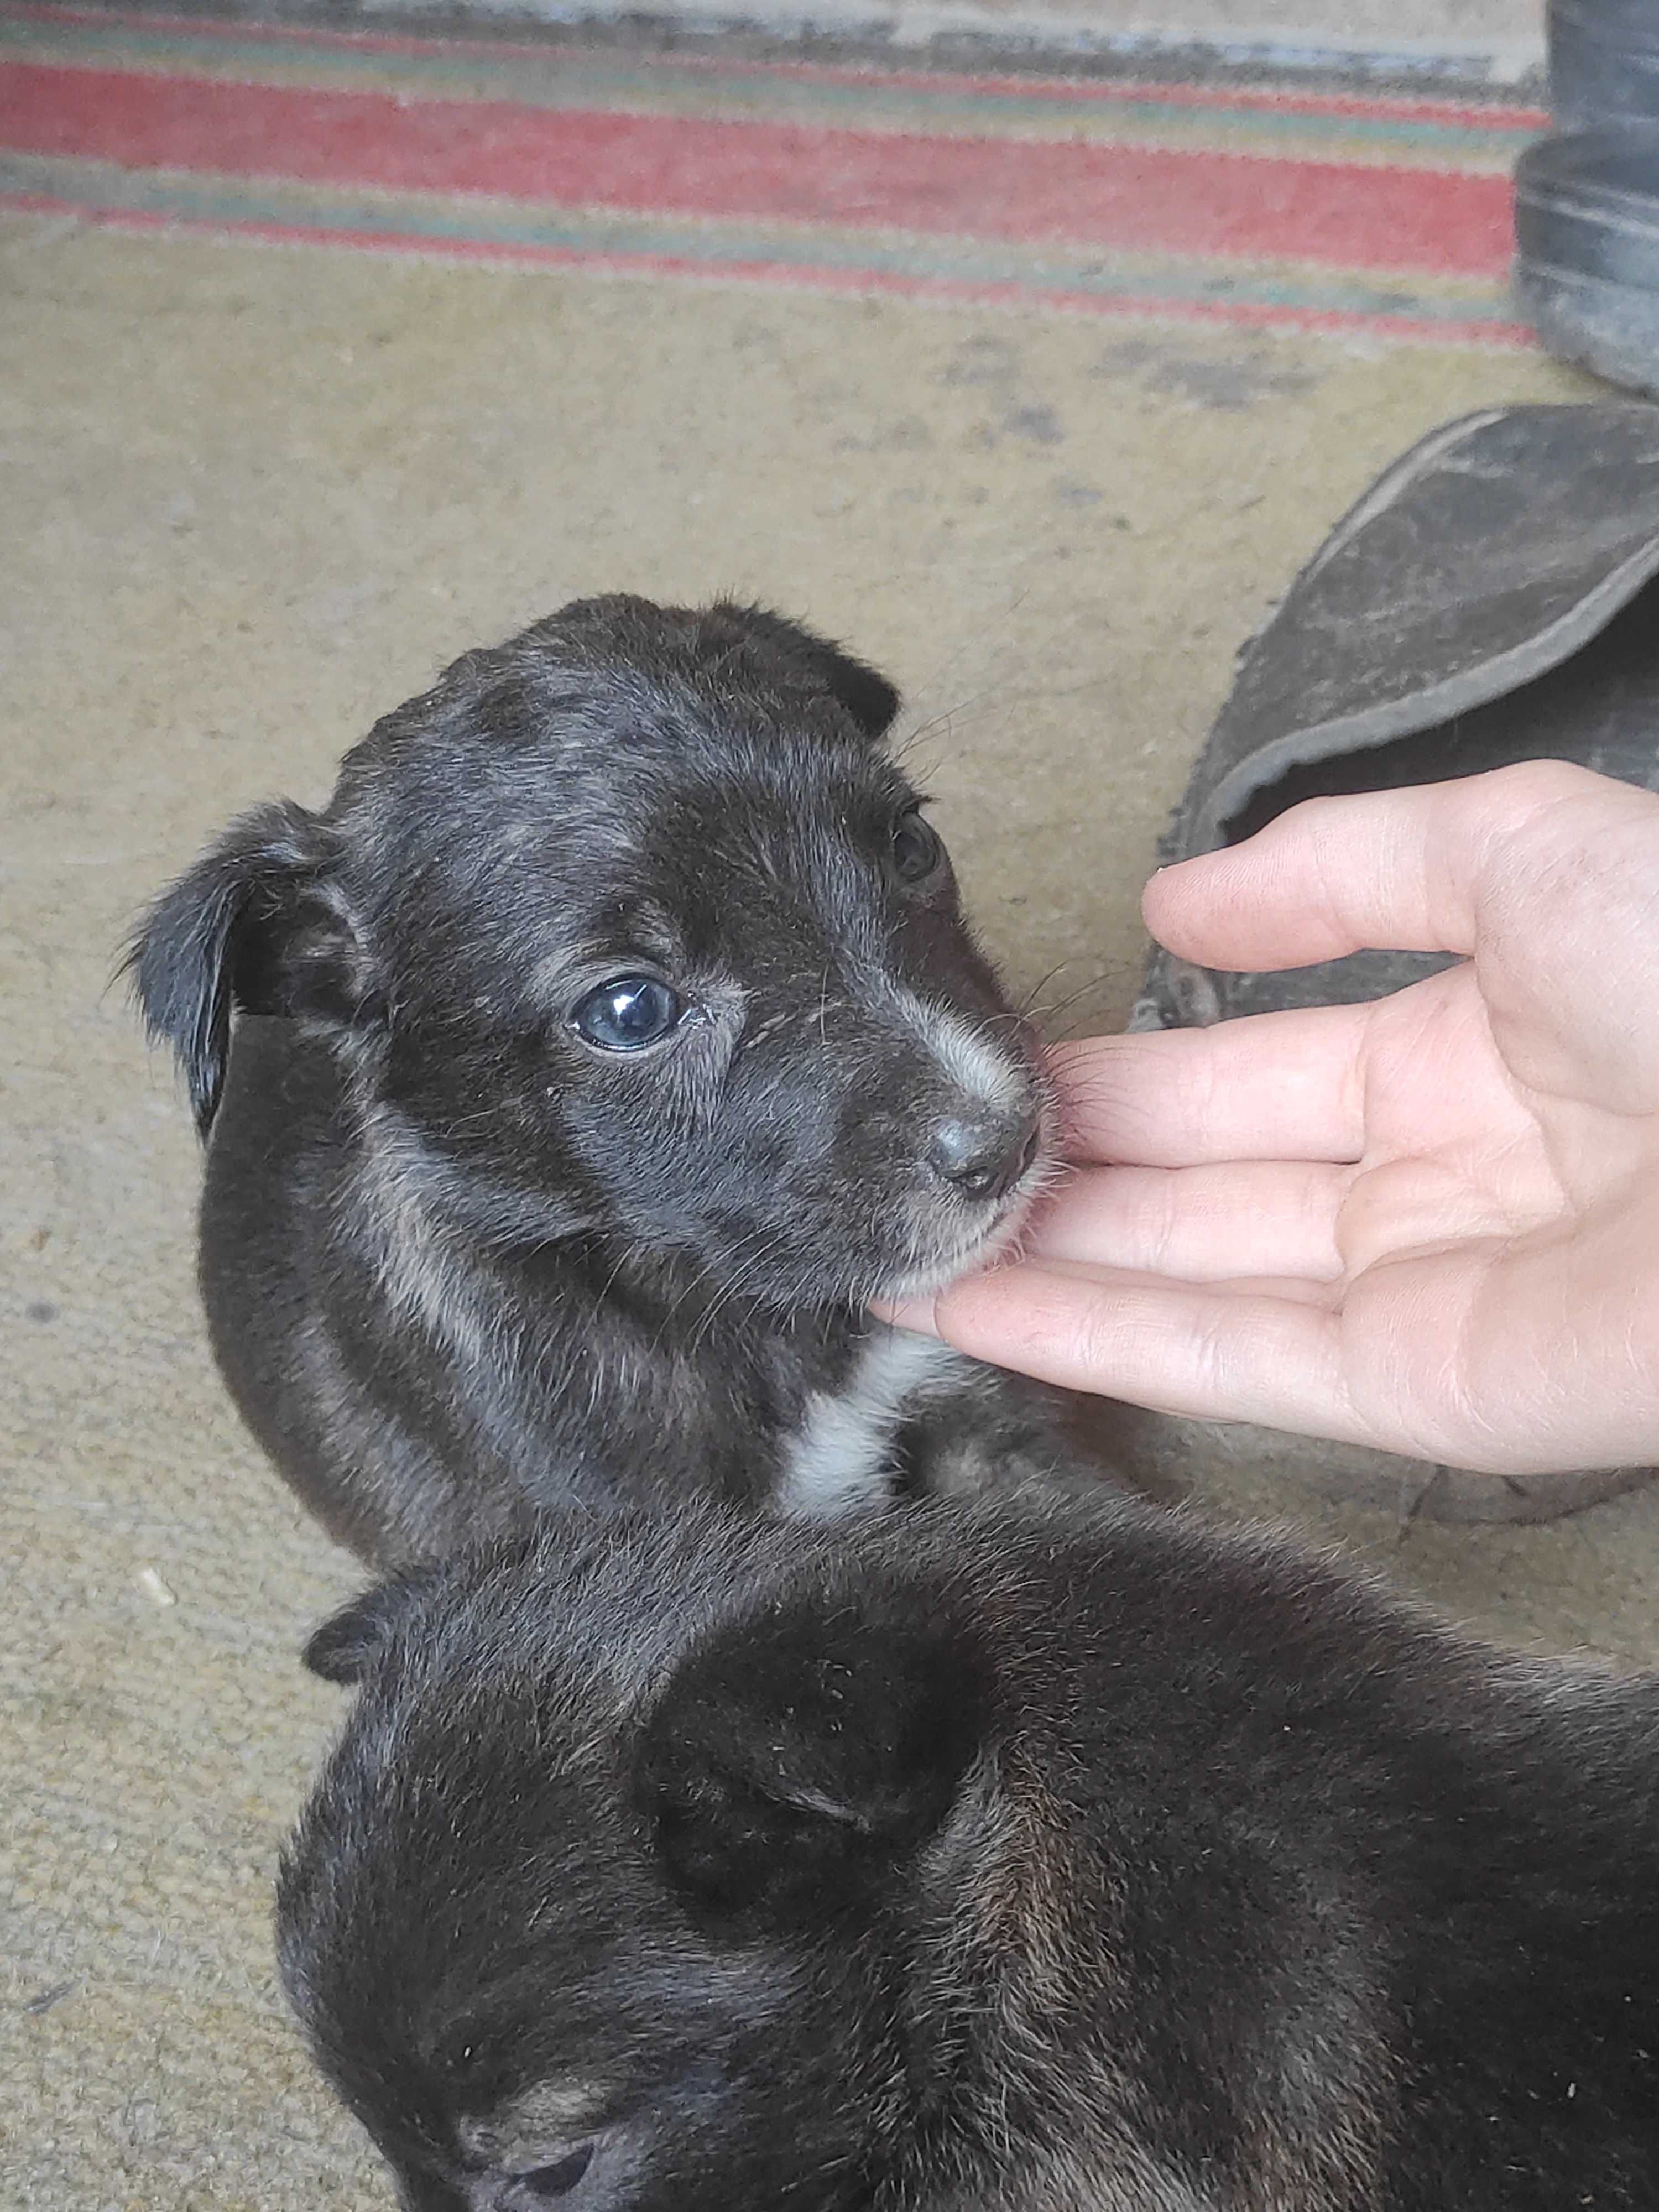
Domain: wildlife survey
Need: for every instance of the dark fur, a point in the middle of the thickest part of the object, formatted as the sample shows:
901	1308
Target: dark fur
962	1860
456	1261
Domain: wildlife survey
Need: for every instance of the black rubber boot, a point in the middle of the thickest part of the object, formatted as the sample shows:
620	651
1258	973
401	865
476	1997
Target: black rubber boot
1604	62
1494	597
1587	199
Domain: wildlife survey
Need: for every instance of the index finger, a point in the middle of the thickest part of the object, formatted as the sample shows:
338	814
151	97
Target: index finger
1393	871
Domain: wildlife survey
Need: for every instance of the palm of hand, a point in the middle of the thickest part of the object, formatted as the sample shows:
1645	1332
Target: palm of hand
1488	1239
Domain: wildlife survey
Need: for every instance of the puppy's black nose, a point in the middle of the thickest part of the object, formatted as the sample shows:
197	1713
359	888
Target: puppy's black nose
983	1155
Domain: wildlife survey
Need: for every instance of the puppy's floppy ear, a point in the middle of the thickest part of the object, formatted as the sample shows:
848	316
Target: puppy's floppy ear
865	693
807	1746
347	1644
259	920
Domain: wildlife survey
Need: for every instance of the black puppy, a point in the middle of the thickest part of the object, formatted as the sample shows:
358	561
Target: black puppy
1069	1859
610	1038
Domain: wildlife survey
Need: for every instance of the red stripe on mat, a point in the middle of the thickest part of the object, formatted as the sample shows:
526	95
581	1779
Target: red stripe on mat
1139	199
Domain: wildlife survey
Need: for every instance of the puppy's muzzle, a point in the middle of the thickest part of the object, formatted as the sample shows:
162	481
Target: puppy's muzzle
984	1155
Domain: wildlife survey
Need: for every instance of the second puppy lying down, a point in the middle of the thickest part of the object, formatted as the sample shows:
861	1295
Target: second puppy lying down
612	1036
1085	1859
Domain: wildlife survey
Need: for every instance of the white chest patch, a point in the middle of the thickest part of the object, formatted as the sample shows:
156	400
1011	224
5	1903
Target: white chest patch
840	1457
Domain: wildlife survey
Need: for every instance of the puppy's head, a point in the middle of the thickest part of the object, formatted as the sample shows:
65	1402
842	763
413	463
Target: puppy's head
607	1897
631	926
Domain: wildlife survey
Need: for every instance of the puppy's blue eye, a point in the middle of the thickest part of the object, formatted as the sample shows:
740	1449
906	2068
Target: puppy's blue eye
627	1012
548	2182
917	848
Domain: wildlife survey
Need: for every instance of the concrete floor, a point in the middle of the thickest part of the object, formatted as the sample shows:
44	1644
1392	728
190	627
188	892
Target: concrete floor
1506	25
254	496
1498	40
1444	24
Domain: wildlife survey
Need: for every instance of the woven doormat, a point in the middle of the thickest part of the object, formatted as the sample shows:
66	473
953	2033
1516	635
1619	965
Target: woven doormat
1256	207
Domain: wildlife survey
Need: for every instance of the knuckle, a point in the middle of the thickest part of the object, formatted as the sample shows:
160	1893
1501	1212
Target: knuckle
1530	786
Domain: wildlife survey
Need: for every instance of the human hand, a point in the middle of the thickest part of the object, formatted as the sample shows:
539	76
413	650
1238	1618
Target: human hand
1429	1224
